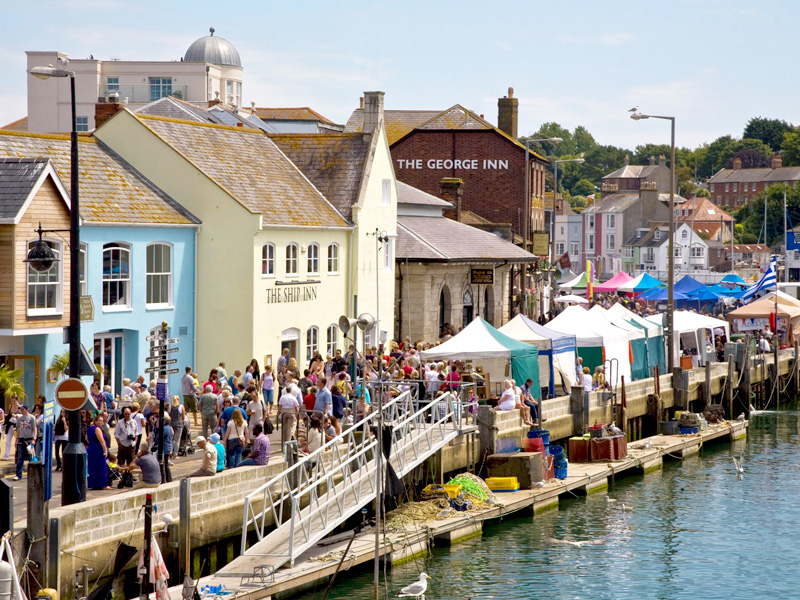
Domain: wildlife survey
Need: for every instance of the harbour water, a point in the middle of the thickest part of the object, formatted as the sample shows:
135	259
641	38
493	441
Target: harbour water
693	530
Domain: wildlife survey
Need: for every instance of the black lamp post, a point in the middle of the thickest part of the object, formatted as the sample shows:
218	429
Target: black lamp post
73	486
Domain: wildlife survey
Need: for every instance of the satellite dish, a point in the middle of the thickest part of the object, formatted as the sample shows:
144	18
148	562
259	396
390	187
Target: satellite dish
365	321
346	324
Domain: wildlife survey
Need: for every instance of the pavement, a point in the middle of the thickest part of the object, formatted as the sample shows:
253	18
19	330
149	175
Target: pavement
182	467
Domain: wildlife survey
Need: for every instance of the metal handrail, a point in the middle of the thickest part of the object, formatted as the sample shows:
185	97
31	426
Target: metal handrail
330	484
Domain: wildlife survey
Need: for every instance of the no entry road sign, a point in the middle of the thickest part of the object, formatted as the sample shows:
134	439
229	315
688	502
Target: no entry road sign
71	394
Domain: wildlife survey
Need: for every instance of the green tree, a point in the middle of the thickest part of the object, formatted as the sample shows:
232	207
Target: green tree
752	153
751	216
791	149
584	141
583	187
702	193
578	203
552	130
716	153
9	382
768	131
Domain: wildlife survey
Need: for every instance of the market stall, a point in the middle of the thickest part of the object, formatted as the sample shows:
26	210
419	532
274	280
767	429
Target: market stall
656	344
613	284
640	284
557	352
636	338
499	355
694	335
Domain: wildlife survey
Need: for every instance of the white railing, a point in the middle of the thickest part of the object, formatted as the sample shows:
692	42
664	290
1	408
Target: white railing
310	498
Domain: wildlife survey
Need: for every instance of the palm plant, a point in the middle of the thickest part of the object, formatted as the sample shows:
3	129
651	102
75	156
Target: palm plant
9	382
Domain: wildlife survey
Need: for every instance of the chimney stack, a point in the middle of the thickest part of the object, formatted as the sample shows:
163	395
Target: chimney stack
451	189
777	162
627	160
737	164
361	103
103	111
373	111
507	113
652	162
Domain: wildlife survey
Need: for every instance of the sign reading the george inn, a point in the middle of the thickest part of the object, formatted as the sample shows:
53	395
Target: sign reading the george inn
291	294
481	276
467	164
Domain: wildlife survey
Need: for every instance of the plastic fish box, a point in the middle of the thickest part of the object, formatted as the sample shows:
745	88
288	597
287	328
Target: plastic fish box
453	490
503	484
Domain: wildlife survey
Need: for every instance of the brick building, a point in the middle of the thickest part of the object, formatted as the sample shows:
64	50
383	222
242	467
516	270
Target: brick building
734	187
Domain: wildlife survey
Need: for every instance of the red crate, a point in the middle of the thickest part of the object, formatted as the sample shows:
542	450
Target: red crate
601	449
578	450
620	446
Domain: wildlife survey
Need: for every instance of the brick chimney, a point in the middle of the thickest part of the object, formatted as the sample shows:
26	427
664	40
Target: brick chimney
776	162
373	111
507	112
652	162
103	111
737	163
451	189
627	160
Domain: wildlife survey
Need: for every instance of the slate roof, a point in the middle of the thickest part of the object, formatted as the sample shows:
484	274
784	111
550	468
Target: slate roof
18	177
632	172
612	203
303	113
172	108
334	162
758	175
439	239
648	239
252	169
408	194
398	123
111	190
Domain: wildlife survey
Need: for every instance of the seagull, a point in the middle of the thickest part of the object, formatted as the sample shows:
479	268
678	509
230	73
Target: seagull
739	464
577	544
740	417
416	589
614	429
624	506
609	500
634	109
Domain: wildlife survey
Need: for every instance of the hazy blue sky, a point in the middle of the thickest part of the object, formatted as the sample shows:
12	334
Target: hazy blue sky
711	63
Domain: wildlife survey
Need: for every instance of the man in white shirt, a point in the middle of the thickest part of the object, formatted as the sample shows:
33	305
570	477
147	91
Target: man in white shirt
763	344
288	405
248	376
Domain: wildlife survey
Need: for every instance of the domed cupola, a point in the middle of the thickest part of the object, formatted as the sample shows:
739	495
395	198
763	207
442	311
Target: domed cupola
215	50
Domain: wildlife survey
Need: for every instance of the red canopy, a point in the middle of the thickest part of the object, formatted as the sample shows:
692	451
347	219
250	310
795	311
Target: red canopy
612	284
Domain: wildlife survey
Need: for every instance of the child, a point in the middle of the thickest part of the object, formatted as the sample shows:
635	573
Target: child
113	469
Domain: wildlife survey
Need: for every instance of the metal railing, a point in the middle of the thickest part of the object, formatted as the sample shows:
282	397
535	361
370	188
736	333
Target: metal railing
311	497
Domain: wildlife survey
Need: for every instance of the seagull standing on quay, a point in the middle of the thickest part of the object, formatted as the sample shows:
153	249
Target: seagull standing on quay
416	589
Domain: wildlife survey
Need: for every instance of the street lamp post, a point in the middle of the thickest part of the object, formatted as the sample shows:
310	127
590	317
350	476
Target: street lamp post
74	454
526	227
637	116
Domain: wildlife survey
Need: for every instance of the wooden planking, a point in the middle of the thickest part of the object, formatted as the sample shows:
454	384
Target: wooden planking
6	276
49	209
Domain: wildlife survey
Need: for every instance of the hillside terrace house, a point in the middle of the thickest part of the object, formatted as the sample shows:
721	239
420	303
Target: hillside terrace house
734	187
648	251
708	220
137	261
428	146
291	250
568	235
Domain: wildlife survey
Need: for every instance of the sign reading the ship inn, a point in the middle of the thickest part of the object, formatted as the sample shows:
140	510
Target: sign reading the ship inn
291	294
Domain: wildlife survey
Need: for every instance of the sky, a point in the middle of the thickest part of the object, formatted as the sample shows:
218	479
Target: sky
712	64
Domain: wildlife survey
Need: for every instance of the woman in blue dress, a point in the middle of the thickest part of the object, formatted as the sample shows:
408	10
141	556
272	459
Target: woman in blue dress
97	453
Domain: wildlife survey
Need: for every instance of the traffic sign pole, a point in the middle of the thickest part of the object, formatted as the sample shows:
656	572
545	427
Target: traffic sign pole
159	349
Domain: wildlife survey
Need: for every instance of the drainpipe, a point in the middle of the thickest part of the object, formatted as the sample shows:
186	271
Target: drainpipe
194	300
351	274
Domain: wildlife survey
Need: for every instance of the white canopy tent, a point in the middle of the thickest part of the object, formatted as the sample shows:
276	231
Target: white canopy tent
592	332
557	351
692	329
636	337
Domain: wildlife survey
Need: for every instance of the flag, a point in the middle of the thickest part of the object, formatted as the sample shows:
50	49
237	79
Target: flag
158	570
768	280
589	279
791	237
564	262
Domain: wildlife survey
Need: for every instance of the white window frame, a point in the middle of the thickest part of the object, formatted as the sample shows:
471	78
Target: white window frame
386	191
312	342
678	251
333	258
110	280
268	260
387	255
313	258
698	252
611	221
574	249
162	276
112	84
333	339
684	234
611	241
745	187
43	279
590	243
82	269
81	123
591	221
560	248
160	87
292	268
735	187
727	187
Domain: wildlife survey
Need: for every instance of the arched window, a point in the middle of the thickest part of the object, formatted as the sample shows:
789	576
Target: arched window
488	304
116	276
333	335
333	258
44	287
467	310
444	309
268	260
313	259
159	274
312	342
291	259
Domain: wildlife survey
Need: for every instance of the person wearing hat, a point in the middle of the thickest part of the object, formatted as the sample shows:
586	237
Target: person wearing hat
208	467
214	440
26	435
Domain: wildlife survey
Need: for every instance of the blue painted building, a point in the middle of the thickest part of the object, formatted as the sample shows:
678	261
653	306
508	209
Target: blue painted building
138	264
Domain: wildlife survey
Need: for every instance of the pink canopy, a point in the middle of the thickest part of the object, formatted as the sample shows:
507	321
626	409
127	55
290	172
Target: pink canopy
612	284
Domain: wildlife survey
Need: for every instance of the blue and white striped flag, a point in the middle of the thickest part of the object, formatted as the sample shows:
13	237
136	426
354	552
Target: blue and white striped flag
768	280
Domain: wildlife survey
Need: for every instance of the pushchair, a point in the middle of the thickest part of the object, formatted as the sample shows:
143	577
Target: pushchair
185	446
113	471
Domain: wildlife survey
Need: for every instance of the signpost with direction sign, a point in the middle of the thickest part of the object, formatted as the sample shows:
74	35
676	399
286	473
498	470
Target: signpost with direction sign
161	347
